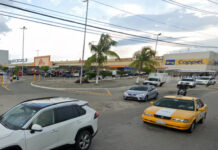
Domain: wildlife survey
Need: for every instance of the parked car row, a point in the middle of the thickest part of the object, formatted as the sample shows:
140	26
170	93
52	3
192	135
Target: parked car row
192	82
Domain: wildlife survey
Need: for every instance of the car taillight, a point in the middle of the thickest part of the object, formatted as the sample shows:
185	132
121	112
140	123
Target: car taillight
96	115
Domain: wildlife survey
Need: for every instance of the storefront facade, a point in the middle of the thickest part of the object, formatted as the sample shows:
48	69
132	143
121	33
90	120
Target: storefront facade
195	62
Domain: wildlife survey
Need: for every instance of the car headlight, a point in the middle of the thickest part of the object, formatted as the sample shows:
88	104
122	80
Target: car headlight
125	94
180	120
147	114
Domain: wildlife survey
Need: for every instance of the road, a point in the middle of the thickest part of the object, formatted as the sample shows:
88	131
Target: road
120	124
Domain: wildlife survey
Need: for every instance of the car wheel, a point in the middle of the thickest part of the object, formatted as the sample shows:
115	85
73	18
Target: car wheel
161	84
156	96
146	98
192	127
83	140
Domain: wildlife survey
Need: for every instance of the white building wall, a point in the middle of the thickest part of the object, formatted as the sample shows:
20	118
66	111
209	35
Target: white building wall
211	56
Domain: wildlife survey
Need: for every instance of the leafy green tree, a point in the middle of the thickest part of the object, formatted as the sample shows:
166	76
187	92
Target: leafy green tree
44	68
4	68
144	59
16	70
101	52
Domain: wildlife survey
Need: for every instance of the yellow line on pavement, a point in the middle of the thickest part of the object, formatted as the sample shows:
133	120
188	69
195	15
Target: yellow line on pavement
108	92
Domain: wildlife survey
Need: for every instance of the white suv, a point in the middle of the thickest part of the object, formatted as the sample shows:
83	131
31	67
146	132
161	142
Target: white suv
188	81
47	123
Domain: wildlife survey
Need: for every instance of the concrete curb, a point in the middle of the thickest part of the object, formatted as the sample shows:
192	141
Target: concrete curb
51	88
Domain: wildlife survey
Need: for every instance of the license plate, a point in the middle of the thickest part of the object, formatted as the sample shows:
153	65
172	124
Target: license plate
160	122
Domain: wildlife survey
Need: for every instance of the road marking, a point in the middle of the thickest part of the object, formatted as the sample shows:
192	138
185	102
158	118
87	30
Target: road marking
108	92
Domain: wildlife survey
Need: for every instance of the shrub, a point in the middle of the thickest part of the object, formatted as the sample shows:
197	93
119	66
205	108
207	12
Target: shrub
105	73
90	75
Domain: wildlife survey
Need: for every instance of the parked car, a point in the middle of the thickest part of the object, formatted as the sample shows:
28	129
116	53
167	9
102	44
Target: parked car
19	73
206	80
68	75
141	93
47	123
188	81
177	112
157	79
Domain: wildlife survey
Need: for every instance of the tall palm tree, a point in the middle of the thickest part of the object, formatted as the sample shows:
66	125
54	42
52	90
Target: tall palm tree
144	59
101	51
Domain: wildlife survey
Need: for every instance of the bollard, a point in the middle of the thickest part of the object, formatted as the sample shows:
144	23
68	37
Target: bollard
34	78
39	77
2	81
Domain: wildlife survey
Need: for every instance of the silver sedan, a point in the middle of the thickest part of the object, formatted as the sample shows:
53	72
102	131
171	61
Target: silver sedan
141	93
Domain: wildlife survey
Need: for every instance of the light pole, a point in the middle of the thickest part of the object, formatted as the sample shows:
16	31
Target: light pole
84	40
23	28
157	42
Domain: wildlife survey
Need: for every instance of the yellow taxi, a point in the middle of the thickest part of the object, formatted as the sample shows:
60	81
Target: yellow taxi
179	112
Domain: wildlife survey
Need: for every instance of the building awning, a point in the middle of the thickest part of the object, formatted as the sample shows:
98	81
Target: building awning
117	66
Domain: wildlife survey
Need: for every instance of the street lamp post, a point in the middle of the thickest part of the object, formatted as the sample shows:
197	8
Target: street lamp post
23	28
84	40
157	42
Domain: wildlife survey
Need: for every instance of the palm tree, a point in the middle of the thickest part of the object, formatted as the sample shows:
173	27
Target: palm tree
101	51
144	59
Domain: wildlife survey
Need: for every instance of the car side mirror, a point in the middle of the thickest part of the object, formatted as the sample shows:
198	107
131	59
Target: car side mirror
201	109
36	128
152	103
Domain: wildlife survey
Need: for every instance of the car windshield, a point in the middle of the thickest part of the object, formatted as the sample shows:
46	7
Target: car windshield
153	79
187	79
139	88
176	104
18	116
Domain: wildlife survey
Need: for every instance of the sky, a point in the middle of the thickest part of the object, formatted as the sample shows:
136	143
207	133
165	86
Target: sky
148	18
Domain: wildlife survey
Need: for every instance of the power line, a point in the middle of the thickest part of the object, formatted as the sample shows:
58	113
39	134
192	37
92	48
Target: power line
105	29
77	30
213	2
147	18
70	15
189	7
66	14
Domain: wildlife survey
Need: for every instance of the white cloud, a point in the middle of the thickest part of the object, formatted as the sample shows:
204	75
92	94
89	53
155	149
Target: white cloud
78	10
56	2
132	8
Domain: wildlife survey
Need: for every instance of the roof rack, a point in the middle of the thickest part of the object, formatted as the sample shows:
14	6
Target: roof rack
41	98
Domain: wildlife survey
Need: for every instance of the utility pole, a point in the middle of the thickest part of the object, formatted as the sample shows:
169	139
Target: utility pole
23	28
157	42
84	40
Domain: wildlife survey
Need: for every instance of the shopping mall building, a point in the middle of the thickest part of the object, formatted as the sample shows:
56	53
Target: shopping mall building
198	63
192	63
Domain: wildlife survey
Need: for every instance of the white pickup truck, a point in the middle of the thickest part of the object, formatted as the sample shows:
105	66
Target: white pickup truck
157	79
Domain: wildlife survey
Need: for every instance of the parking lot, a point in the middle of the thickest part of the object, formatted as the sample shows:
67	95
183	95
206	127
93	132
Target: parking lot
120	123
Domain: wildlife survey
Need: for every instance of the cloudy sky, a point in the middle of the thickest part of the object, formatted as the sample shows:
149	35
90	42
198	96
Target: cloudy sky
147	18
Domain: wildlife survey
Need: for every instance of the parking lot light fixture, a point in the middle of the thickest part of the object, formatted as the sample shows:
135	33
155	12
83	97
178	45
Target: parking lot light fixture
157	42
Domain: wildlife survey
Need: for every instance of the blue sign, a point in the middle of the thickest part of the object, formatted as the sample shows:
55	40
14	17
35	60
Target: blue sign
129	68
170	62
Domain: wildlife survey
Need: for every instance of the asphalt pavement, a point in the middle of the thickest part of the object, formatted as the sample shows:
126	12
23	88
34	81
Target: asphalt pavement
120	124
